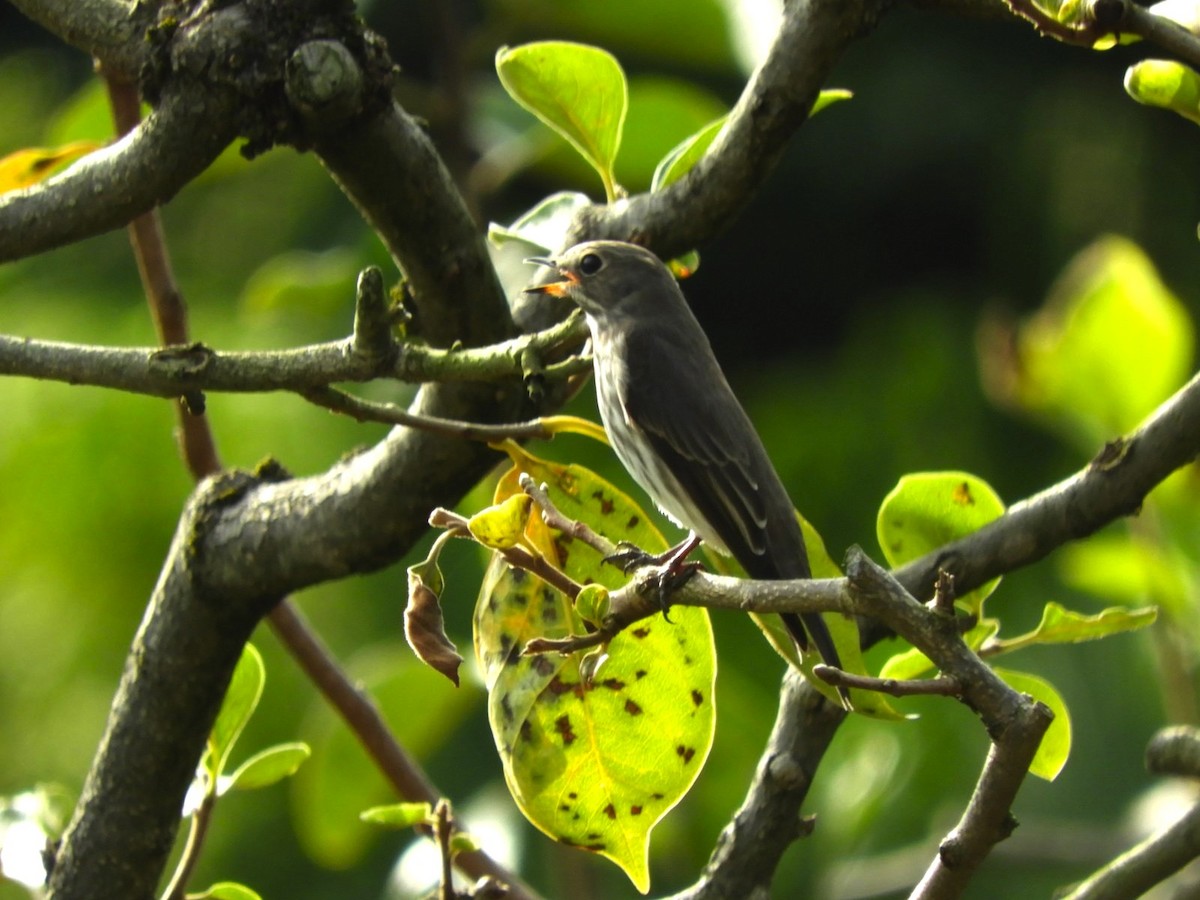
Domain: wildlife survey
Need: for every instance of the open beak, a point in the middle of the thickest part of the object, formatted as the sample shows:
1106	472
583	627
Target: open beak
553	288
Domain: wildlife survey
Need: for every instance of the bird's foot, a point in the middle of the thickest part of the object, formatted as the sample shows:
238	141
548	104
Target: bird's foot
674	569
630	556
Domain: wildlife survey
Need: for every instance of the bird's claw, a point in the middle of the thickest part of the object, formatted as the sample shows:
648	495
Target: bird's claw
669	579
630	556
674	570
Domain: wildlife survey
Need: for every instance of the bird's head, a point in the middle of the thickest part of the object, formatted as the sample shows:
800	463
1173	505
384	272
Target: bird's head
606	278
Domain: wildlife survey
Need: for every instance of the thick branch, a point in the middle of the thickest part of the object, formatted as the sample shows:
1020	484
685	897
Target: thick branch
774	103
1154	860
112	31
748	852
108	188
419	214
173	684
1114	485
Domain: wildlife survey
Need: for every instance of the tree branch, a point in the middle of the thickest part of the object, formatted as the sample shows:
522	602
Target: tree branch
1014	722
1113	17
1113	485
112	31
1110	487
748	851
173	684
167	307
171	371
775	102
363	717
108	188
416	210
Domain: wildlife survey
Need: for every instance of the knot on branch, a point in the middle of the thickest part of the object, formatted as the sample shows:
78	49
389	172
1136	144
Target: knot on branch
284	63
181	363
787	773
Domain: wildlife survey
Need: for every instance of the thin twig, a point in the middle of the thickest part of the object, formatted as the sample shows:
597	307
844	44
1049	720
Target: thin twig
361	715
393	414
553	517
518	556
167	307
941	685
1102	18
443	831
197	832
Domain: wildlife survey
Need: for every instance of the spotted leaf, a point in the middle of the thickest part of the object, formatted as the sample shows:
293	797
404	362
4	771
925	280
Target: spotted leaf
594	755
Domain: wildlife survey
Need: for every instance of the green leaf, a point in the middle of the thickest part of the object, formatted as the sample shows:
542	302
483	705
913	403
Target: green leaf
686	154
662	111
928	510
1052	754
577	90
544	227
1126	569
829	97
592	603
226	890
241	699
1166	84
267	767
1062	626
684	266
1067	12
597	761
1110	344
399	815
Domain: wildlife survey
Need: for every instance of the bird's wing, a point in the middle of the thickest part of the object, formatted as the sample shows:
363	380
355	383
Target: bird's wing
691	417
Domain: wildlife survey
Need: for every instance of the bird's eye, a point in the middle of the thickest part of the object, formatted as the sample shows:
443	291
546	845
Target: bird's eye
590	264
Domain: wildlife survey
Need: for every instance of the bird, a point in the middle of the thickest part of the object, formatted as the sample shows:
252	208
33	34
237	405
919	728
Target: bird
675	423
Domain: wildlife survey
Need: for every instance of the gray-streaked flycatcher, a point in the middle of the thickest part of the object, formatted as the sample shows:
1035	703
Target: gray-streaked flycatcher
675	423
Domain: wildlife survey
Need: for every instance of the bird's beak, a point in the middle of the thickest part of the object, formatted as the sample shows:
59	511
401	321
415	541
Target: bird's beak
553	288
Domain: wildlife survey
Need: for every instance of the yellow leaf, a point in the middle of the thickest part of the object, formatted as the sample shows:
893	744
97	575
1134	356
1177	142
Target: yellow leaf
594	755
501	527
22	168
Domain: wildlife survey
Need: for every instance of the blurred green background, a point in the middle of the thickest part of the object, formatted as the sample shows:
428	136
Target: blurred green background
974	161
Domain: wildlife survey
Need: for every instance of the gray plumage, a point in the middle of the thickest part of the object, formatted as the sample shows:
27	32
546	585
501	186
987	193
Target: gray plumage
675	423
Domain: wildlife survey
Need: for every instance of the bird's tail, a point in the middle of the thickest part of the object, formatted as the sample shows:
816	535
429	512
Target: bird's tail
812	625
